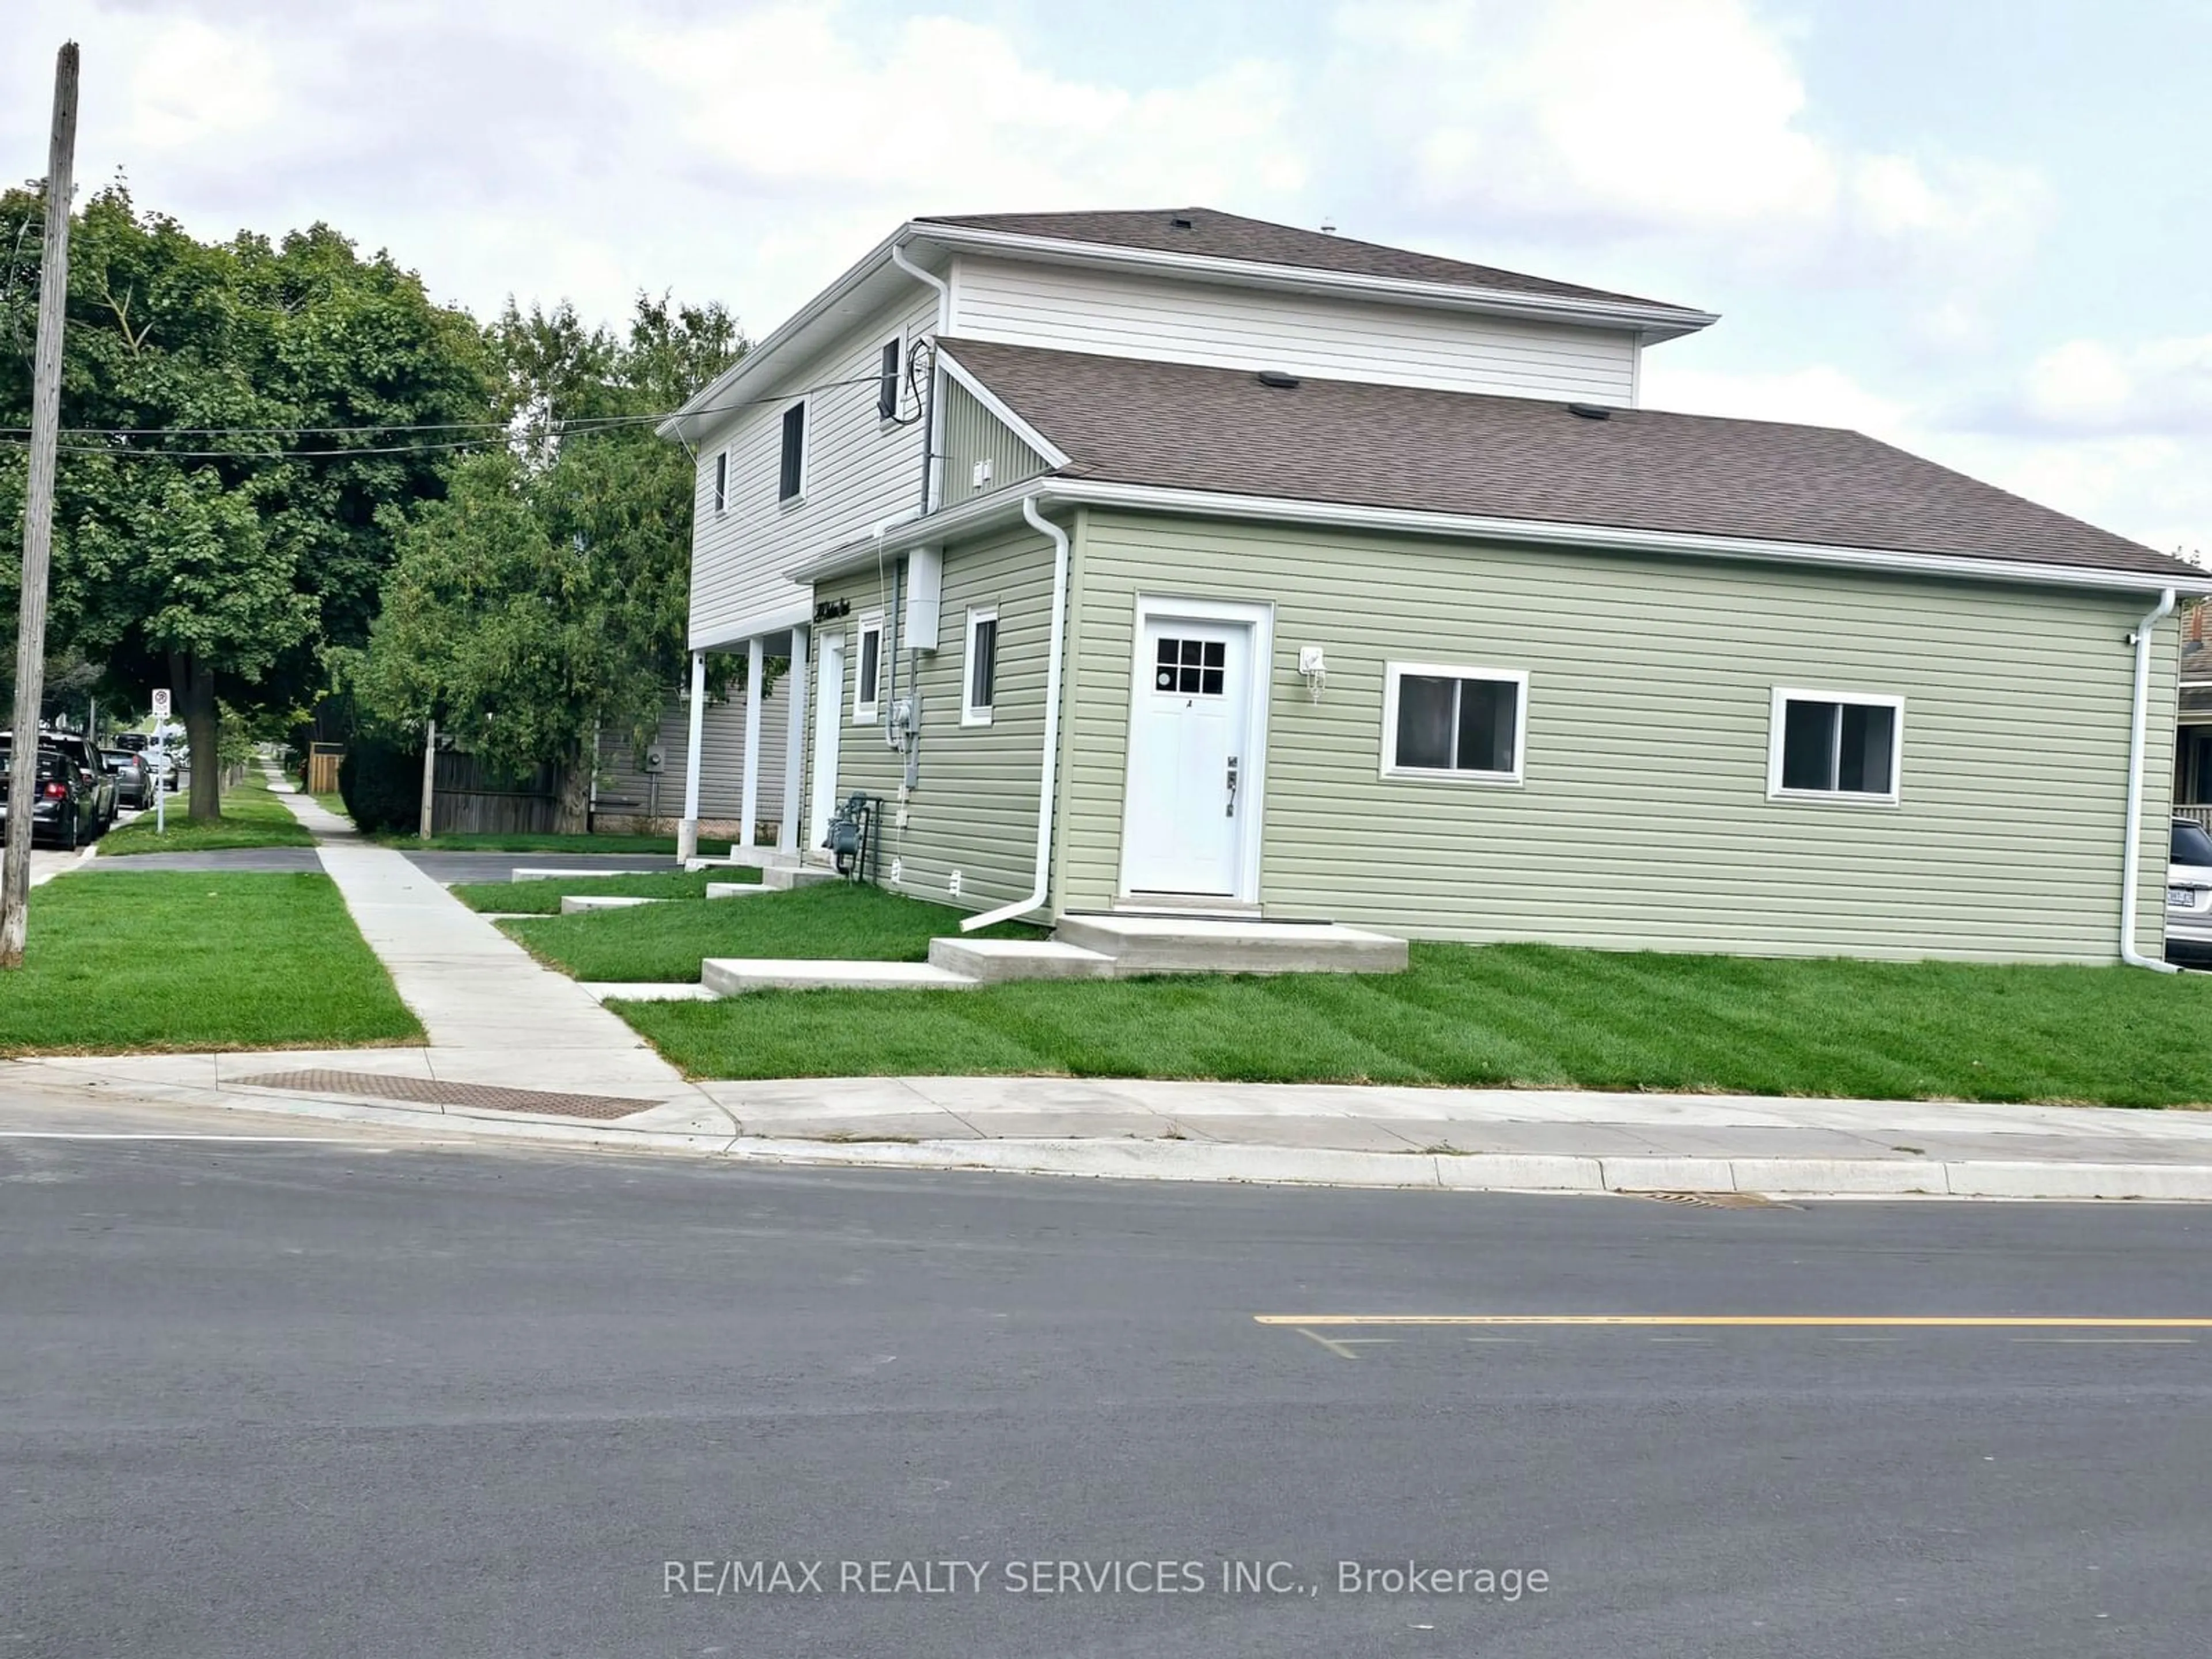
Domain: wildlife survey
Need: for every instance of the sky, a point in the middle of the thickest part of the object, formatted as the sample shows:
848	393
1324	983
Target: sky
1977	229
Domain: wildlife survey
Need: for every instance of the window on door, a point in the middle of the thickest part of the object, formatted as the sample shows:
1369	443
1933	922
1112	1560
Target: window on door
1190	667
982	668
867	670
1443	722
1835	746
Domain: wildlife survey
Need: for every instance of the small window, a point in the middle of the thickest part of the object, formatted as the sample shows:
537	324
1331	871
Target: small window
1835	745
791	482
1190	667
722	482
867	670
982	667
1462	723
887	380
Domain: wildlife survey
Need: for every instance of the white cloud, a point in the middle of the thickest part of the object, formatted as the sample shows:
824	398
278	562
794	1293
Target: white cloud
1678	123
1816	394
2156	387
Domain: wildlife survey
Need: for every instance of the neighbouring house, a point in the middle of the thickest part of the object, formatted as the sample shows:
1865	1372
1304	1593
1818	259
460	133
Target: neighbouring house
2192	737
642	790
1179	561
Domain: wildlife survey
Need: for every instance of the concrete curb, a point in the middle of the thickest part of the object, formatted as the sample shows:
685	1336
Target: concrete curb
1136	1160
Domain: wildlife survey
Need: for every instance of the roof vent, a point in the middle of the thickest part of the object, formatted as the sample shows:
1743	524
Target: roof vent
1280	381
1180	222
1590	411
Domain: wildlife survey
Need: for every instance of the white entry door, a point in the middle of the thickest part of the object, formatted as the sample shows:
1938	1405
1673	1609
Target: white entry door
1193	792
828	709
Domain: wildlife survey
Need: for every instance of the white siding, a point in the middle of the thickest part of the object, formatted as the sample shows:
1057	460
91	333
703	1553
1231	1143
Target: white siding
625	787
860	471
1117	314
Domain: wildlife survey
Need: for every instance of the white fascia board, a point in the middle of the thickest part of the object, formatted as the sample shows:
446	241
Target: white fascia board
1654	322
1051	453
718	396
1608	539
791	616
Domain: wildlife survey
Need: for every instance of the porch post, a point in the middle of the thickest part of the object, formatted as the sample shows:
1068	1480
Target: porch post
794	742
687	834
756	666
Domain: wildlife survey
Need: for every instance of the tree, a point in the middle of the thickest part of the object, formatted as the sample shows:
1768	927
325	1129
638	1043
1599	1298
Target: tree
546	596
218	537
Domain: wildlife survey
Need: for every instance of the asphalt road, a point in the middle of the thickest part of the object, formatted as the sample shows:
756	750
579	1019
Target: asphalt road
356	1396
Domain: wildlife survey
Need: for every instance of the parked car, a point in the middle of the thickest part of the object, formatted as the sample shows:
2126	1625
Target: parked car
133	741
2189	894
65	811
98	782
134	781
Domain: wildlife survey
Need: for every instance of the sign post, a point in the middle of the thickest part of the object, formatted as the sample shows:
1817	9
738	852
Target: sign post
162	762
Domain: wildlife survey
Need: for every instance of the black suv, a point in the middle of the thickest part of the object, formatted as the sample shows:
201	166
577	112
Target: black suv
64	810
99	782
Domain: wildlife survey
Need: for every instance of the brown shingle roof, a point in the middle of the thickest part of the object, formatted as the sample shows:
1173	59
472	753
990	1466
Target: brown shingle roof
1227	236
1178	427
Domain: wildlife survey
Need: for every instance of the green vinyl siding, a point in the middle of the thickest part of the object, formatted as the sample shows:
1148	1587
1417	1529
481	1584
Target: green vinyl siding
1643	820
974	806
971	434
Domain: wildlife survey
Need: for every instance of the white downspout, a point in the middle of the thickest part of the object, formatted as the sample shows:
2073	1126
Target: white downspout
1020	906
2131	859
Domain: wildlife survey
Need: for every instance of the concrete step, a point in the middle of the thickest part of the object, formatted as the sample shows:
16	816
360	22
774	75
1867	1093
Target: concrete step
733	888
733	976
581	875
782	878
578	904
655	991
994	961
1174	944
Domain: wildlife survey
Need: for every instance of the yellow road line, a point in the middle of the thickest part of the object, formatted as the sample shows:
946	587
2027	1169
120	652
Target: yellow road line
1938	1322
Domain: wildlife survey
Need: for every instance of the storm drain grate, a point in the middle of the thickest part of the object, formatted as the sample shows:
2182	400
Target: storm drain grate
1715	1200
483	1097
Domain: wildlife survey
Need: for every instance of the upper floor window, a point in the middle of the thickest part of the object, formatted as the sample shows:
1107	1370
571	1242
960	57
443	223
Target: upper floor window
722	482
887	380
1834	746
791	479
1464	723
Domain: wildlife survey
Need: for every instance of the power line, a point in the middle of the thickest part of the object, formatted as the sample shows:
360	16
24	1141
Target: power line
496	431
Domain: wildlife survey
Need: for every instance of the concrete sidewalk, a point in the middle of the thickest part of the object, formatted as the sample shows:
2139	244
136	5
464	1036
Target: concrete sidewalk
494	1014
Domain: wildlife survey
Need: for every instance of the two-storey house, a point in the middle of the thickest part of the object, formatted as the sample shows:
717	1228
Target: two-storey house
1173	561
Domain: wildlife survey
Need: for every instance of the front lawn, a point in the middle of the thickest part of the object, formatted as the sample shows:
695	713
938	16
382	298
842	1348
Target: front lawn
527	843
667	941
542	897
1512	1016
160	959
252	817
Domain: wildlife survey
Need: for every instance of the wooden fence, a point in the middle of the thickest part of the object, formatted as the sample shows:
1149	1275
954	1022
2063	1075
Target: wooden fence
323	760
472	800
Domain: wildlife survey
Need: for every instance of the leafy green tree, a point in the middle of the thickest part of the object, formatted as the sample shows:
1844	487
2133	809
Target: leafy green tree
229	563
545	598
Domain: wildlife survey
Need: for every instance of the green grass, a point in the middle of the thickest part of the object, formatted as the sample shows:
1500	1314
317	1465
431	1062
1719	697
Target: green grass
332	802
252	817
545	843
134	960
667	941
1519	1016
543	898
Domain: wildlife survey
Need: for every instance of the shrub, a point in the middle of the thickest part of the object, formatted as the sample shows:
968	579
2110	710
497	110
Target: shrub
381	784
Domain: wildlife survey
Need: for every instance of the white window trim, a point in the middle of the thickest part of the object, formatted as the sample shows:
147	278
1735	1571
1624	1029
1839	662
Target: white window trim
1786	694
972	713
721	485
868	713
889	423
805	452
1392	672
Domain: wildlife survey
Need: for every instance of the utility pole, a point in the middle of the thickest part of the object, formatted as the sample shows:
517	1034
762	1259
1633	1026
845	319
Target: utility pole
39	511
430	780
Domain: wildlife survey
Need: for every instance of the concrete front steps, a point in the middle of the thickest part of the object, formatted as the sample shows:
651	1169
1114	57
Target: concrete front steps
729	977
579	904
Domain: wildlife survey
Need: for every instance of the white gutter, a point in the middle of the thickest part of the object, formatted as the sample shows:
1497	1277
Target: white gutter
2131	859
1021	907
944	289
1608	539
1659	320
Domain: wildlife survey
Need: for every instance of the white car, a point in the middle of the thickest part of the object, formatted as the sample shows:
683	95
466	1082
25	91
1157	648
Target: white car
2189	894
